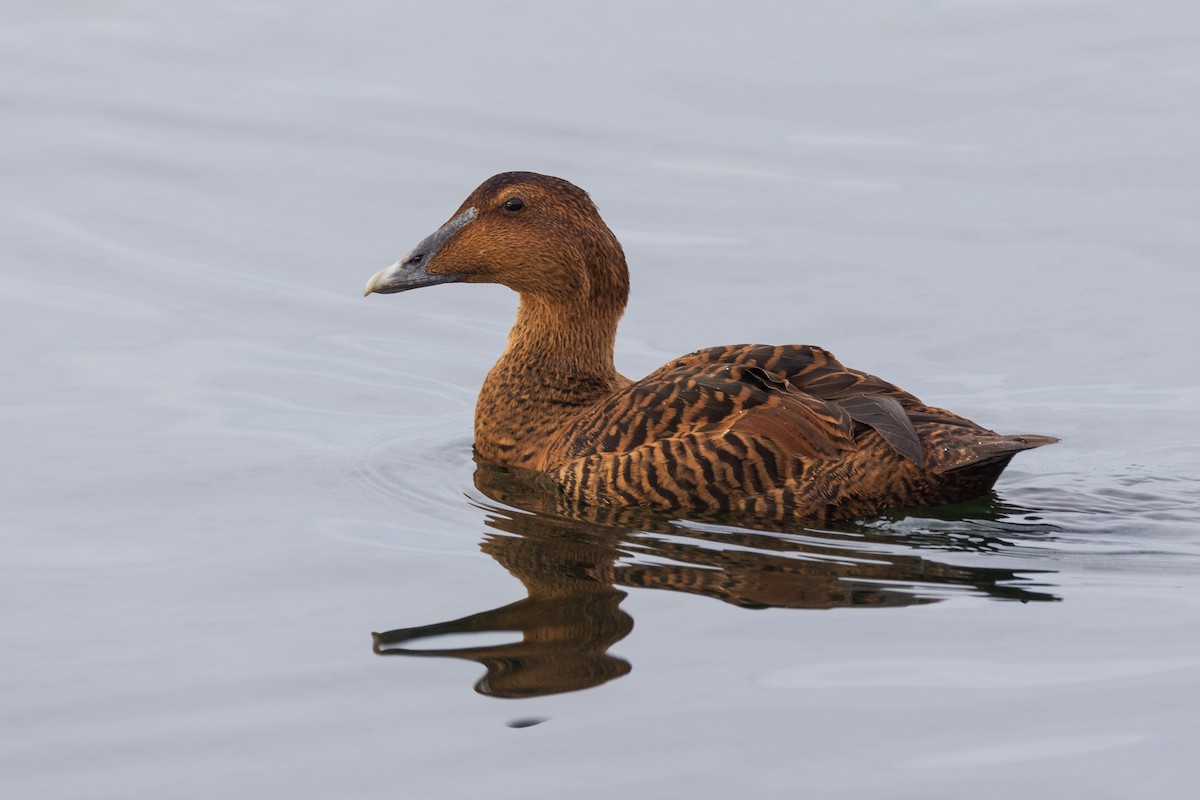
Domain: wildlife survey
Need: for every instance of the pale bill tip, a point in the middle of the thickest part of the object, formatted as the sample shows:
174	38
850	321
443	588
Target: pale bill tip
374	281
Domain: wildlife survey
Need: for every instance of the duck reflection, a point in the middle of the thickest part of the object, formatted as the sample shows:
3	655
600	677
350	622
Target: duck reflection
572	562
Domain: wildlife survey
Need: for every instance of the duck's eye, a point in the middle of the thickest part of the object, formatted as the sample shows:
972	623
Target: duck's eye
514	204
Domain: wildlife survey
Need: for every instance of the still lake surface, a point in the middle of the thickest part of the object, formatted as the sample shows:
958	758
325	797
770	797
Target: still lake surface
224	469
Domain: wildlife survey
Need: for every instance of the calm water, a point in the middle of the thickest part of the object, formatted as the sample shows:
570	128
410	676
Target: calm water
224	469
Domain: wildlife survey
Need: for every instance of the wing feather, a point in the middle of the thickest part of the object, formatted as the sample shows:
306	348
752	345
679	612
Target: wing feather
889	419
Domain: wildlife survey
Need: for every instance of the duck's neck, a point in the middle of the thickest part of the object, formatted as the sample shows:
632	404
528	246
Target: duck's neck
559	362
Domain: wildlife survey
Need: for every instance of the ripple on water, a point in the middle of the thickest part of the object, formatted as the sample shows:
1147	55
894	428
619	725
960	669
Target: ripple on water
1137	512
1118	500
421	471
1134	524
419	478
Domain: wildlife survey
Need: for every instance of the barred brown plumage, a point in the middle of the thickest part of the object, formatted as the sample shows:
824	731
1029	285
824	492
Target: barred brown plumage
780	433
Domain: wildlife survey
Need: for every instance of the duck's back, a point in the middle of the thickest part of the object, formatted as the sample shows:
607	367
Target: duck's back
782	433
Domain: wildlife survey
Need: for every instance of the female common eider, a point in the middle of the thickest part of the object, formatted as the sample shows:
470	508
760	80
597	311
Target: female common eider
779	433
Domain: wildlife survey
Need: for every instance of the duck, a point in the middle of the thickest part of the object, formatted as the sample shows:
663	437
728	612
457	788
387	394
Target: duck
770	433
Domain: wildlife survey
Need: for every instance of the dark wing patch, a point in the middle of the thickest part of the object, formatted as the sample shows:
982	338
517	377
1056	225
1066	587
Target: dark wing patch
889	419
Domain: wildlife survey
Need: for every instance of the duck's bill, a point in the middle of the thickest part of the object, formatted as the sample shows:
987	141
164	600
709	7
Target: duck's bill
400	277
410	271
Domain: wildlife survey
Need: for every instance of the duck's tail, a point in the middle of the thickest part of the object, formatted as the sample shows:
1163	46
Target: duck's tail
974	468
996	447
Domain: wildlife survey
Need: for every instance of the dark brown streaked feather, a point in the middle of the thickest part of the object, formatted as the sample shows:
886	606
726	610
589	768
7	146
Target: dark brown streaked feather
803	426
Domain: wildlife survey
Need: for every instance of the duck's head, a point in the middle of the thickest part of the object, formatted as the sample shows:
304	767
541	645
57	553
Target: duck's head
539	235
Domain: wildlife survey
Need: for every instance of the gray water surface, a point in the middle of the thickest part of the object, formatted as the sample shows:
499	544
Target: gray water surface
224	469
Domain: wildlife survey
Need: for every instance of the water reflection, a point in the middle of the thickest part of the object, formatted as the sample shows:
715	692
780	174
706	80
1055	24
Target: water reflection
573	562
